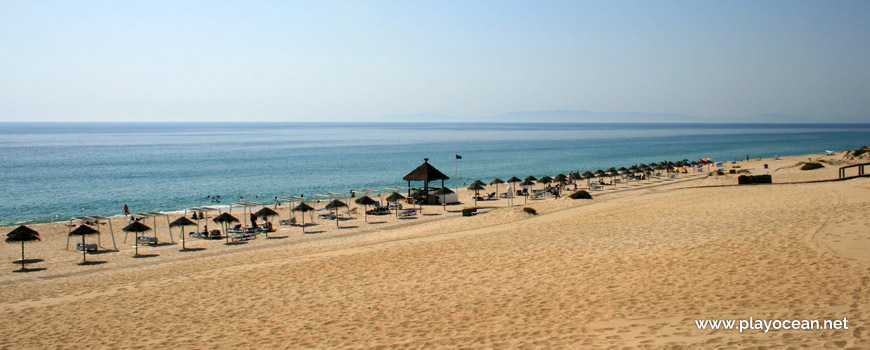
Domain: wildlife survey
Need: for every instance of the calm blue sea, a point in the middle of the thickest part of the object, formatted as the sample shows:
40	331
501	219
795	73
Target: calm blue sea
52	171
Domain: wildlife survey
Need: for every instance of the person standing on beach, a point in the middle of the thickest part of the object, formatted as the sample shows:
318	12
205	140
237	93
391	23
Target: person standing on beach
126	210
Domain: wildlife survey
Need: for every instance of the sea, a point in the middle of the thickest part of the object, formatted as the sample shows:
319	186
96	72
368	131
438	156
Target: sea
54	171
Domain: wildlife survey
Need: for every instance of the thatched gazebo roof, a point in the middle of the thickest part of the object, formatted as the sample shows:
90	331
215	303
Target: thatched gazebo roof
425	172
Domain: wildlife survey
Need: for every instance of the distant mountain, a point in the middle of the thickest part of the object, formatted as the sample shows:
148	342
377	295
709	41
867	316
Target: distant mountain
568	116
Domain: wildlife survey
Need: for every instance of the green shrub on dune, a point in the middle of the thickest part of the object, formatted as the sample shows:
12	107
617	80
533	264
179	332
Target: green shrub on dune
811	166
581	194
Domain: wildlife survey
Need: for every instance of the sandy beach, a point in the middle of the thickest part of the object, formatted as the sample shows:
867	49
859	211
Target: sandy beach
633	268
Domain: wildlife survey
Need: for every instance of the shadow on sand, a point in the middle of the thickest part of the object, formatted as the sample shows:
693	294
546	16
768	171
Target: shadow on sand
28	269
191	249
28	261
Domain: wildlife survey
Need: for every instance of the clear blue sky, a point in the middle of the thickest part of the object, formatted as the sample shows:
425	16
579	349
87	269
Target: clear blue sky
344	61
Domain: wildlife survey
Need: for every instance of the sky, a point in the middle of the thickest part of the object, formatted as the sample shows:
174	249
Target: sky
358	60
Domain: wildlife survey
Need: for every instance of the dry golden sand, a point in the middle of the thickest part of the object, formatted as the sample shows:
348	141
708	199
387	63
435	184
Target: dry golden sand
632	268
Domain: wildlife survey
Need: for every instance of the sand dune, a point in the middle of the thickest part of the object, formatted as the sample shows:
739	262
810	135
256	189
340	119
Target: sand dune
632	268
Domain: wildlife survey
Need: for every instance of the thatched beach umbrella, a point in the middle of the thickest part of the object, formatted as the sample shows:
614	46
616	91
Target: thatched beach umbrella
134	227
365	201
303	208
225	219
334	205
476	187
395	197
561	178
22	234
496	182
181	222
266	213
588	175
545	180
443	191
514	181
529	183
83	230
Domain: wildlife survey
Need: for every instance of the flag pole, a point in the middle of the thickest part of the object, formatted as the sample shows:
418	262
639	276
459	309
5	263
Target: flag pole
456	162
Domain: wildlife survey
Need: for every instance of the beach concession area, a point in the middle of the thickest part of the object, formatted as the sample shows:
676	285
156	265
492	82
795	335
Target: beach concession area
633	268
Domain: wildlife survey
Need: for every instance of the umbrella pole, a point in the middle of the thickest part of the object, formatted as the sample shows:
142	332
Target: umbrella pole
112	232
68	230
169	227
84	250
136	244
22	255
99	242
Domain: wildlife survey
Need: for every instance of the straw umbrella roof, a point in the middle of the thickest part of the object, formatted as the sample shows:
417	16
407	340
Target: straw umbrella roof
335	204
479	182
545	180
443	190
425	172
266	212
514	179
496	181
225	217
576	176
531	178
395	197
528	182
599	173
303	207
560	178
86	230
133	227
22	234
365	200
182	221
476	187
587	175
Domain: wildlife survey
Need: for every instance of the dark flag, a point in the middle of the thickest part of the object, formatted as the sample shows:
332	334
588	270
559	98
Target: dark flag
458	157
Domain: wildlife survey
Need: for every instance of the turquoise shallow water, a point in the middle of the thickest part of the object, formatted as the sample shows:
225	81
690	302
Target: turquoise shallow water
56	170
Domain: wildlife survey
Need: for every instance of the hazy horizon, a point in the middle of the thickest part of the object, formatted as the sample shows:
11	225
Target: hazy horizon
788	61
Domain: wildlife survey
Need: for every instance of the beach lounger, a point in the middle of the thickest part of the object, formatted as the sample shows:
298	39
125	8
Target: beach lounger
214	234
287	222
91	247
243	237
147	240
408	212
